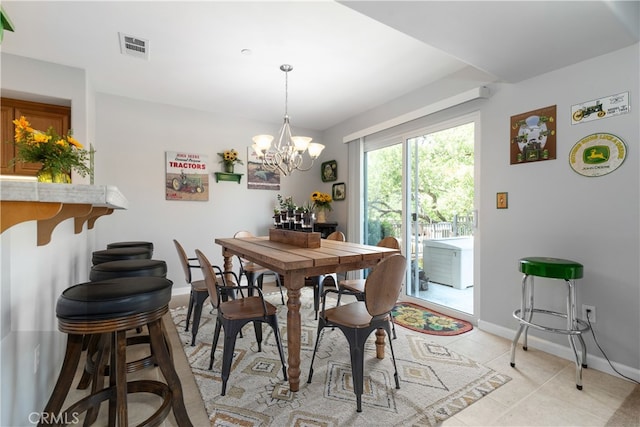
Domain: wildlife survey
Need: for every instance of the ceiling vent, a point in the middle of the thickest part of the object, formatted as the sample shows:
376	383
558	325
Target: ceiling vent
134	46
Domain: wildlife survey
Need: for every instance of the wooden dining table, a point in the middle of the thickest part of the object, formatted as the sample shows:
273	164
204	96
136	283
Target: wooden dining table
294	263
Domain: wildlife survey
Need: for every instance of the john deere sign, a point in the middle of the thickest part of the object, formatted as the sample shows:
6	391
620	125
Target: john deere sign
597	154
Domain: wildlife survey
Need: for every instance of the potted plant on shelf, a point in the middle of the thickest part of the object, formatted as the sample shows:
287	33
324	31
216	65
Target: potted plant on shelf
59	154
229	158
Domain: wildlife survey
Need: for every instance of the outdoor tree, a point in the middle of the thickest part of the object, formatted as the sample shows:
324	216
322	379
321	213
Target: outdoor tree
445	184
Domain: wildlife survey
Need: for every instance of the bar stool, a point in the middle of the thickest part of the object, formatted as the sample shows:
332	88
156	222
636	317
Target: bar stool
132	244
112	270
128	268
116	254
113	307
553	268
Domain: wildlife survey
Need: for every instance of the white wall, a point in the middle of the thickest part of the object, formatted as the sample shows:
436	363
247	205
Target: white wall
34	276
133	137
553	211
592	220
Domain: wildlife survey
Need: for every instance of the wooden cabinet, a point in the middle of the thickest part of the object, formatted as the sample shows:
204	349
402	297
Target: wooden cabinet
41	116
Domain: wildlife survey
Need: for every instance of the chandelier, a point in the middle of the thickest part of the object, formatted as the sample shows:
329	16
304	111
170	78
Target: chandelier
286	153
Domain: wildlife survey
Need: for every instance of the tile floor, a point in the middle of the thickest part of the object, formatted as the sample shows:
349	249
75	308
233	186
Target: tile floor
542	391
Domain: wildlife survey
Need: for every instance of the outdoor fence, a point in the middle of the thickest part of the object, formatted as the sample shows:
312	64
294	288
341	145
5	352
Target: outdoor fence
461	226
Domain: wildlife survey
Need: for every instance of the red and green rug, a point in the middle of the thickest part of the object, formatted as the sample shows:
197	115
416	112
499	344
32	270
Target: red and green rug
420	319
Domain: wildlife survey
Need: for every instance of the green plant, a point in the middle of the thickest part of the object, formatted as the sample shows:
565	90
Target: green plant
307	207
286	203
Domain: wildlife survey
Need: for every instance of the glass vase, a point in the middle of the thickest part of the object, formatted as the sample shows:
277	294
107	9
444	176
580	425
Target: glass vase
228	167
54	177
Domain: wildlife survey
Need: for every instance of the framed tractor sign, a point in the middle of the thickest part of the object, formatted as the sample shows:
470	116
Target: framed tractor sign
187	176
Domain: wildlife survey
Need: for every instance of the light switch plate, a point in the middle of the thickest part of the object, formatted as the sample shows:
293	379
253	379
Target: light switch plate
502	201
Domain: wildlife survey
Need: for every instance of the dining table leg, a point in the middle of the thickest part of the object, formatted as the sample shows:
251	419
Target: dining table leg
380	334
293	282
228	265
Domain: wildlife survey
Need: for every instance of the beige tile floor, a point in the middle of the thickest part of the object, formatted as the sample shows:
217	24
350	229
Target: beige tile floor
542	391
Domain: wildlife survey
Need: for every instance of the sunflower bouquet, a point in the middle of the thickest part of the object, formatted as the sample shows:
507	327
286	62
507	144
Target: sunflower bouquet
321	200
59	154
229	158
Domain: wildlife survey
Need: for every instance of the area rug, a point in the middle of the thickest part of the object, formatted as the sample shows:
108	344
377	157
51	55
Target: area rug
421	319
435	383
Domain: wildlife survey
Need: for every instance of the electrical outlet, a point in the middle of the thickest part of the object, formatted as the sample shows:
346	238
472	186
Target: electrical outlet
592	313
36	359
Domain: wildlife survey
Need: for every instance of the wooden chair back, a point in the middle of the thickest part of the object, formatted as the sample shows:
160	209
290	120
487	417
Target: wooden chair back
337	236
241	234
210	278
383	285
184	261
389	242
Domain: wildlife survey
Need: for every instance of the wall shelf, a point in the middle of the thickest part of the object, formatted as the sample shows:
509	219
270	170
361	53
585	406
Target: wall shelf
50	204
224	176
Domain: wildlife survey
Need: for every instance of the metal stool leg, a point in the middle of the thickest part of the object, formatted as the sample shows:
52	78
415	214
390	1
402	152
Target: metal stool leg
526	313
572	325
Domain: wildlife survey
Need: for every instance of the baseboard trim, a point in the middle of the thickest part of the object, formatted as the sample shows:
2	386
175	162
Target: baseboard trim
594	360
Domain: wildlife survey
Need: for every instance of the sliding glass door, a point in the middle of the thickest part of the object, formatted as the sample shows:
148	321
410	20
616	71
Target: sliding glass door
419	188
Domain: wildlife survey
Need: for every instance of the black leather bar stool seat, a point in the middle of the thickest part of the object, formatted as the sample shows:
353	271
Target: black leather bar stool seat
112	307
128	268
132	244
117	254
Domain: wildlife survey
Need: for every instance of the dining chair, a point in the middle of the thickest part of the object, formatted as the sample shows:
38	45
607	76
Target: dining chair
233	314
198	293
355	287
318	281
254	272
357	320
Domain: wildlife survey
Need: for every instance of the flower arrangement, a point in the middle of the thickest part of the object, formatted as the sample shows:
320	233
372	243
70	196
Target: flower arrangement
58	154
321	201
229	158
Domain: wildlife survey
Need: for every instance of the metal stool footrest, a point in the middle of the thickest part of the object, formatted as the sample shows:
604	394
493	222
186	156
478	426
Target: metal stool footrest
583	326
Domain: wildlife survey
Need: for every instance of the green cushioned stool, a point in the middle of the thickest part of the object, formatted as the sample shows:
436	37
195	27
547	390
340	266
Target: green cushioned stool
552	268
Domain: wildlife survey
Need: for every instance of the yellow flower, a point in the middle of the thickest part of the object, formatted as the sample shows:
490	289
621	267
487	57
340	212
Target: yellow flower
71	140
229	157
58	154
39	137
321	200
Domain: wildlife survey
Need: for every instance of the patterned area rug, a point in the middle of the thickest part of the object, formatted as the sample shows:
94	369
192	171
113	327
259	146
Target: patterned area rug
435	383
427	321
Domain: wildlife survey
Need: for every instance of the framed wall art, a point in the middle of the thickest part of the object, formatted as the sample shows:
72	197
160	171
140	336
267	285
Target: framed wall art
533	136
329	171
187	176
259	178
339	191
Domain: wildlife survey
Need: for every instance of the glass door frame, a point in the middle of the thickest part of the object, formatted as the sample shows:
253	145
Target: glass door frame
372	143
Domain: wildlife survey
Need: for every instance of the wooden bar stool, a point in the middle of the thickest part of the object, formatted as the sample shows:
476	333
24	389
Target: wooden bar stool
112	270
553	268
113	307
128	268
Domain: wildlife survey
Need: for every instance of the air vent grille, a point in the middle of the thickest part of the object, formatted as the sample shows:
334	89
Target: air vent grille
134	46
